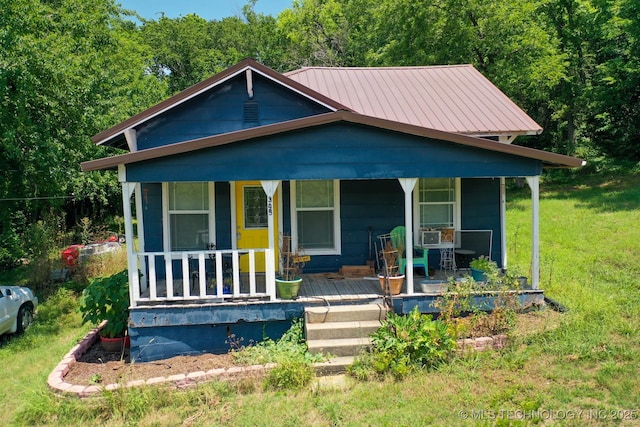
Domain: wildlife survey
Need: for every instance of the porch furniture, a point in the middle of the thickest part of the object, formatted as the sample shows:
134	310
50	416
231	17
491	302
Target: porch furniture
447	245
465	256
420	254
471	244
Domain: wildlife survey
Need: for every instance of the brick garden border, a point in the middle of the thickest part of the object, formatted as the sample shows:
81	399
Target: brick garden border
496	342
57	383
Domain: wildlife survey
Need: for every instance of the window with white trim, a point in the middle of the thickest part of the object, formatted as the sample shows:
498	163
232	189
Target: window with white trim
189	207
315	214
438	203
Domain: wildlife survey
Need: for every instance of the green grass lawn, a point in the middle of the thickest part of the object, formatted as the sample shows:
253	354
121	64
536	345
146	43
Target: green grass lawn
576	368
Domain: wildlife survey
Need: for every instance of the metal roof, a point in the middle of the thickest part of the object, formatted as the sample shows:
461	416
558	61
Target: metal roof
549	159
452	98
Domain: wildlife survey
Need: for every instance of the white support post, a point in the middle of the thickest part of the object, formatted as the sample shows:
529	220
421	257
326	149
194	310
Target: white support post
140	202
270	274
408	184
270	188
128	189
503	222
534	184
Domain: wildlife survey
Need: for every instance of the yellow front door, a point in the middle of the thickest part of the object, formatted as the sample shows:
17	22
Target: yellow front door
252	230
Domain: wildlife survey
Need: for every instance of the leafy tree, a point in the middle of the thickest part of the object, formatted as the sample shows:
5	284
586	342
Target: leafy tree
614	116
189	49
327	32
68	69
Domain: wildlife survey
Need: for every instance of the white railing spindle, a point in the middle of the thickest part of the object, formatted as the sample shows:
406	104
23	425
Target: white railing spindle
192	289
153	279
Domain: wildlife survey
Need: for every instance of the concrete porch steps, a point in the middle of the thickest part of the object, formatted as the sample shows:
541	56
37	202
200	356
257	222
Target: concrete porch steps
333	366
341	331
334	330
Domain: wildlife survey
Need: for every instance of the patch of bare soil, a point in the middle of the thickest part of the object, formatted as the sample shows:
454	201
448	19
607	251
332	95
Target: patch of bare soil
99	367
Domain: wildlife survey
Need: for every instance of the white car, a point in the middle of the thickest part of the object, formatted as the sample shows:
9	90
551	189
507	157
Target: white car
17	305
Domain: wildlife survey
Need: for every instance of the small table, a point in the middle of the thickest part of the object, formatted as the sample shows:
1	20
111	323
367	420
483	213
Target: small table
465	256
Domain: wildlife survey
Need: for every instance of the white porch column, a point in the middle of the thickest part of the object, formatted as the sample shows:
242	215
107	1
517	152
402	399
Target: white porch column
140	231
128	188
270	188
534	184
503	222
505	139
408	184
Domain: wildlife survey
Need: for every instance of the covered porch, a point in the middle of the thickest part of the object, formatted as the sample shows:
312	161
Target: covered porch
233	274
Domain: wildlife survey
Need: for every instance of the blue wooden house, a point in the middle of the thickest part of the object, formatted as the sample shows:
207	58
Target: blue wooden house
334	157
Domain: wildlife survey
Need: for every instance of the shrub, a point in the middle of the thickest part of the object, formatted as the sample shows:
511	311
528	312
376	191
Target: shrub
403	343
107	298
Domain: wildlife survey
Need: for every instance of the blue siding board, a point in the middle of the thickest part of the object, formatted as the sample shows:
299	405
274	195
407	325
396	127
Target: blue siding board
333	151
223	215
152	216
157	343
481	210
221	110
160	332
367	204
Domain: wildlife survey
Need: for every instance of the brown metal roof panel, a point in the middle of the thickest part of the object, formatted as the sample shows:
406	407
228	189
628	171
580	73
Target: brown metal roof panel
454	98
498	105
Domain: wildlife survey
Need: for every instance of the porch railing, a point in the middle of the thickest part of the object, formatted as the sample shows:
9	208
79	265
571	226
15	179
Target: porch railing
213	276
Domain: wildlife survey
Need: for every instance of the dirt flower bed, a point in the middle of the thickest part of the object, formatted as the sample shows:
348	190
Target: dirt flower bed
98	367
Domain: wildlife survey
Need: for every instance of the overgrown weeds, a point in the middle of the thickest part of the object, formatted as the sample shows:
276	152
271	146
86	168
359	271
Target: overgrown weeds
294	364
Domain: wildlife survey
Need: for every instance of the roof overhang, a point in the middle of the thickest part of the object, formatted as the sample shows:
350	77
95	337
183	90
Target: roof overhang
548	159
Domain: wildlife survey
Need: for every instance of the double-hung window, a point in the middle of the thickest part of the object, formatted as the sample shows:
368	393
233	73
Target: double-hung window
189	208
315	214
438	205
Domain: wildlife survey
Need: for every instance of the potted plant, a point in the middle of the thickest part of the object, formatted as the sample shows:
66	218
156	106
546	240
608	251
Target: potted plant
288	281
390	277
107	298
481	267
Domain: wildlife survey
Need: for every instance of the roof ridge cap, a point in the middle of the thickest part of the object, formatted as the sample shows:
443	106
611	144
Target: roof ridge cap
393	67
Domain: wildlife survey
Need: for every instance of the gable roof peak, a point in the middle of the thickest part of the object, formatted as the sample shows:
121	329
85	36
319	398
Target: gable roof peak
117	131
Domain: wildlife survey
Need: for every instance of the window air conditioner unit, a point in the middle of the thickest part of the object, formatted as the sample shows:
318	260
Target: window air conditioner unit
430	238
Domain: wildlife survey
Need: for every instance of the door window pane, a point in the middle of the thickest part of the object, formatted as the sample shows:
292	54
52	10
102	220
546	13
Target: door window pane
255	207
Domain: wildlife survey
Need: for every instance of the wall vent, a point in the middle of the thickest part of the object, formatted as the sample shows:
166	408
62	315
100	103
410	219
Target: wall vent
251	112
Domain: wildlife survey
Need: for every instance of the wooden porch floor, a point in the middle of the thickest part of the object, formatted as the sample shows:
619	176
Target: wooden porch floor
333	286
320	286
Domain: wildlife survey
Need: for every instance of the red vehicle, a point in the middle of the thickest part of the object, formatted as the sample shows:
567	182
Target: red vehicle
71	254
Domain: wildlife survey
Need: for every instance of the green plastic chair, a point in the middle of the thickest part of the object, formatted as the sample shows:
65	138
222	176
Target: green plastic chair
420	255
